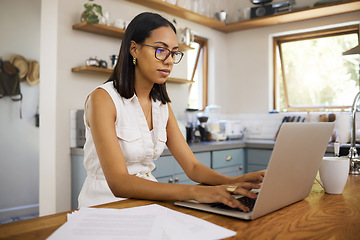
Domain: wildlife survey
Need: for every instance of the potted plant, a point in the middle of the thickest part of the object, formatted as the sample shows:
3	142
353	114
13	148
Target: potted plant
91	13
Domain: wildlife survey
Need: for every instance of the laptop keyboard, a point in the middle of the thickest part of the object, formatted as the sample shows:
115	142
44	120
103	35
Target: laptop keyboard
248	202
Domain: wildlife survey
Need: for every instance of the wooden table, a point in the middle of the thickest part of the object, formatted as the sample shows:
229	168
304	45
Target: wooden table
319	216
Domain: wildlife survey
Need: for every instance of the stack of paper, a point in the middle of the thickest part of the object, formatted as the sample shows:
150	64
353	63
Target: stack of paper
145	222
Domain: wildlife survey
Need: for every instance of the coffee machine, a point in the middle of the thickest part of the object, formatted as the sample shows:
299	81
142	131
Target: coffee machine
192	131
202	127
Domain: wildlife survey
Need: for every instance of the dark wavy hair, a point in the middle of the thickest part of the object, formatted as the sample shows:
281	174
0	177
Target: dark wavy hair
123	76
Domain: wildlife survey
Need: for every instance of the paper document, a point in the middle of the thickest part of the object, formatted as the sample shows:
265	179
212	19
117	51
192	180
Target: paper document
144	222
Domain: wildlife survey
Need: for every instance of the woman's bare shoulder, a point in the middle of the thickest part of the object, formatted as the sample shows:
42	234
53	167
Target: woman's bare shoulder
98	98
99	103
99	94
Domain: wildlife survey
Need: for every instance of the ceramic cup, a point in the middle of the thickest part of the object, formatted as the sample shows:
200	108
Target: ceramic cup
334	172
343	125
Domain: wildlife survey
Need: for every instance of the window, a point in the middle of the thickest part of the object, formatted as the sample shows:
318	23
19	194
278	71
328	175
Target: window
310	72
198	66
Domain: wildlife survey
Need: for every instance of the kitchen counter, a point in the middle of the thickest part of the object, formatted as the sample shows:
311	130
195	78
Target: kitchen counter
319	216
221	145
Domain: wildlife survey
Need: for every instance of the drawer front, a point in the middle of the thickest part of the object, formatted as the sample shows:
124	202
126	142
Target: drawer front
227	158
258	156
232	171
203	157
255	168
164	166
183	179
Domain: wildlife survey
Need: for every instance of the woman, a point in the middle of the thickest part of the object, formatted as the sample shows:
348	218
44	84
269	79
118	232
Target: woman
128	122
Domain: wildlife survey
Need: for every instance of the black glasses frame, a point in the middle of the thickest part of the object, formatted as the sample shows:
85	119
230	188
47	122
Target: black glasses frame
169	52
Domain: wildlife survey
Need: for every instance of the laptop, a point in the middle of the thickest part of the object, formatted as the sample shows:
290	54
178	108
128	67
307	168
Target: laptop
290	174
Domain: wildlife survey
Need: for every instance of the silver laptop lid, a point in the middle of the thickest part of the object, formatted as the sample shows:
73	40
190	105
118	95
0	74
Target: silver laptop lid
294	163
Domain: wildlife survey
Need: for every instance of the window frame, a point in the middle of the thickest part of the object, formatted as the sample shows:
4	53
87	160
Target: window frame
203	46
278	40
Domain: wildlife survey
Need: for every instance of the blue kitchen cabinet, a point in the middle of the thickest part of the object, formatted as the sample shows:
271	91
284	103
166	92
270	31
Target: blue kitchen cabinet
229	162
179	175
167	169
78	175
257	159
164	169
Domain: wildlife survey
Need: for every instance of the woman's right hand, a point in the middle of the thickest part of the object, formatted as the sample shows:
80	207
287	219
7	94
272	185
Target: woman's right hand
219	194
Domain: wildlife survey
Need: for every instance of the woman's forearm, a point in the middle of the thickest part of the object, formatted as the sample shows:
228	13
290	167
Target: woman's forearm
203	174
130	186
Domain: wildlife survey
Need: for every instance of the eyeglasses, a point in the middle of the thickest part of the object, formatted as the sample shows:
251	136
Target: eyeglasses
162	54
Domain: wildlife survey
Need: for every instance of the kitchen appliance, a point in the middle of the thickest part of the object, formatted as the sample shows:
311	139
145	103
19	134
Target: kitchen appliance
213	112
94	62
233	129
265	7
202	127
264	10
192	131
213	123
80	128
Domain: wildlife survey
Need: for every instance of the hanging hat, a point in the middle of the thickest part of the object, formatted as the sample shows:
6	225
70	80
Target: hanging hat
20	63
33	76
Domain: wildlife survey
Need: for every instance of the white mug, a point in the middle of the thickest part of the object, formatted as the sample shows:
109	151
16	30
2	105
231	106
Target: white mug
185	36
334	173
343	124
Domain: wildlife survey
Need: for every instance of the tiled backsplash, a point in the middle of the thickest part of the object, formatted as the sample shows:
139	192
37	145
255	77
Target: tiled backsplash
258	126
265	126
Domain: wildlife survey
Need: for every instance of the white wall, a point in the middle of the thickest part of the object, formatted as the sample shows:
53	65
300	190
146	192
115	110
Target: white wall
19	138
249	65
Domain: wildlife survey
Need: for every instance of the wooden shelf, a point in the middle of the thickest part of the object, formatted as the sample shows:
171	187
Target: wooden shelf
110	31
108	72
293	16
100	29
92	70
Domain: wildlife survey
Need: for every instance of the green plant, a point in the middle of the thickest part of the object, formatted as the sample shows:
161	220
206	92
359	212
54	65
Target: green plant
92	10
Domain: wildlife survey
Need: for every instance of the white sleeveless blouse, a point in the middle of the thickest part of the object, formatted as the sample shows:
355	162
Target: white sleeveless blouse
140	146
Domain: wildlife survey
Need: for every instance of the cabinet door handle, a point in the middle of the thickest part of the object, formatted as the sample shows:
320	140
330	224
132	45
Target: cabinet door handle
241	167
228	158
171	180
176	180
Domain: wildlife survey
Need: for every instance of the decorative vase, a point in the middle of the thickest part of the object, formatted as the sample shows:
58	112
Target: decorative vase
90	16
